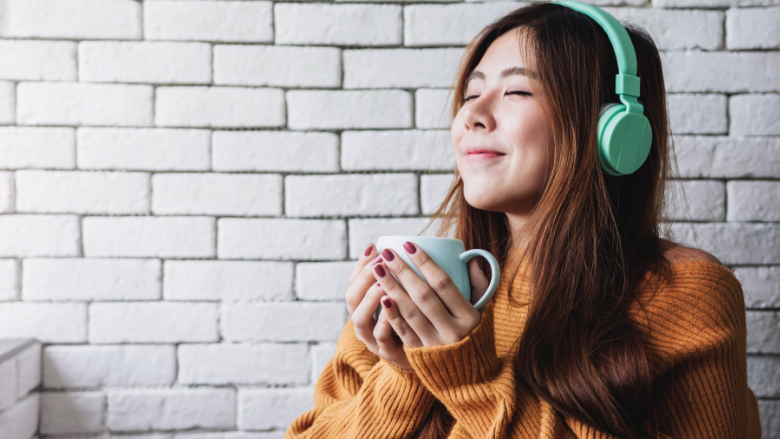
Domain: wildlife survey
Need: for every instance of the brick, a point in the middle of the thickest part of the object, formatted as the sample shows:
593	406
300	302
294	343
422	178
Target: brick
432	109
349	25
82	192
761	286
400	68
28	370
236	21
770	418
275	434
227	280
710	3
275	151
72	412
7	383
453	24
704	200
171	409
8	101
281	321
219	107
278	66
754	201
261	409
41	103
754	115
221	364
418	150
316	281
345	109
726	157
7	195
152	322
674	30
730	72
146	149
150	62
10	279
764	376
320	355
752	28
687	114
217	194
39	235
433	189
763	332
74	19
46	322
99	366
32	147
366	194
149	236
91	279
281	239
362	231
38	60
21	420
733	243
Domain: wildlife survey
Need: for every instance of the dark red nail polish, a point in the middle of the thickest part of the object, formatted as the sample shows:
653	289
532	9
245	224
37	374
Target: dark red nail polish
377	260
409	247
386	302
379	270
368	250
387	254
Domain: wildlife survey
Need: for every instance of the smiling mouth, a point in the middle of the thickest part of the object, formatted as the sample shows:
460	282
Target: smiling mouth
483	155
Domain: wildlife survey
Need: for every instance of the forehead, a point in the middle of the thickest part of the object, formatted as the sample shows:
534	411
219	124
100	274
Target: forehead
502	60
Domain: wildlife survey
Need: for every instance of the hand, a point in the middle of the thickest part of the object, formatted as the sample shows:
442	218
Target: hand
362	298
433	313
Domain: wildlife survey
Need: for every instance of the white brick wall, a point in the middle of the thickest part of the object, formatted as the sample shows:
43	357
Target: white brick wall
185	185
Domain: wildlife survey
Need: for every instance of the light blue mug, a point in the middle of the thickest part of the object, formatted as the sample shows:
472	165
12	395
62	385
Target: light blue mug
450	256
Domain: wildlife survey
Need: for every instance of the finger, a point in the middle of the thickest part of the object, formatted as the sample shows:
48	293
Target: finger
367	255
479	282
357	290
386	339
363	317
401	327
407	308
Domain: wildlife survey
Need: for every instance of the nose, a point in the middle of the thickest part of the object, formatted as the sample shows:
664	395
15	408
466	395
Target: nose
478	112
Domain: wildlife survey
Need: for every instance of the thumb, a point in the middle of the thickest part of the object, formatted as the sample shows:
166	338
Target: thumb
479	282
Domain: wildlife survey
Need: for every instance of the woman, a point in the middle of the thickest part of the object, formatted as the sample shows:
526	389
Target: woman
599	328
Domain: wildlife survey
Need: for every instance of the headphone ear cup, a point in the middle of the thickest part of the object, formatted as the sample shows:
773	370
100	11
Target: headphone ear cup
623	139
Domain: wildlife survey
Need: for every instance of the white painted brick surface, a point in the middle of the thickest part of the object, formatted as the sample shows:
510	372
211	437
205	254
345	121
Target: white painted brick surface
148	149
732	243
82	192
219	107
433	189
46	322
432	109
21	420
368	230
351	24
418	150
349	109
74	19
275	151
96	366
152	322
167	236
8	101
400	68
7	192
761	286
7	383
234	21
698	113
753	28
368	194
320	355
39	235
724	157
91	279
762	329
38	60
262	409
228	280
28	370
171	409
10	279
764	376
278	66
44	103
281	321
72	413
453	24
156	63
217	194
696	200
220	364
31	147
674	30
318	281
755	115
754	201
731	72
283	239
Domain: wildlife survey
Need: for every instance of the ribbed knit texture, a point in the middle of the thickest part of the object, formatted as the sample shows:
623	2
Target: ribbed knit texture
695	342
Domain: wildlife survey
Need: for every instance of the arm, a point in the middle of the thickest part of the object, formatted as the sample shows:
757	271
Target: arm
362	395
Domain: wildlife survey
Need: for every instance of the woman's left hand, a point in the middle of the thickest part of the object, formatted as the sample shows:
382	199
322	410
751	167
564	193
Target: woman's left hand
427	314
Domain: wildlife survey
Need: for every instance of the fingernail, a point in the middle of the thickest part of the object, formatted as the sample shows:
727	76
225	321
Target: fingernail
387	254
368	250
386	302
379	270
377	260
409	247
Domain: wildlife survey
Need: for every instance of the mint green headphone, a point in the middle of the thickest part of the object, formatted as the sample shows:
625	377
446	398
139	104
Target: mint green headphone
624	134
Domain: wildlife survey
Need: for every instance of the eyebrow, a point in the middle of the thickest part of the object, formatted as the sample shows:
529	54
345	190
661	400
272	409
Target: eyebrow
476	74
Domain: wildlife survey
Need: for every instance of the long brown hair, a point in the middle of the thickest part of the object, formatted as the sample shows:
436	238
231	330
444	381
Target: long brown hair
591	236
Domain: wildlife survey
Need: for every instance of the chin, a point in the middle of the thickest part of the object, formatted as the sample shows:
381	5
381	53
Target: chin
480	198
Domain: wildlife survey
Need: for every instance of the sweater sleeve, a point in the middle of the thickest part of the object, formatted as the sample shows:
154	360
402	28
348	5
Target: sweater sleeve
361	395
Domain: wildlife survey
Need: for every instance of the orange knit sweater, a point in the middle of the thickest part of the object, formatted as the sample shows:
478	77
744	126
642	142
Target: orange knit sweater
696	349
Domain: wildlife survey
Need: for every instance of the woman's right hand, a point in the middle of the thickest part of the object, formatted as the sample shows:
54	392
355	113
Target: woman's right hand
363	297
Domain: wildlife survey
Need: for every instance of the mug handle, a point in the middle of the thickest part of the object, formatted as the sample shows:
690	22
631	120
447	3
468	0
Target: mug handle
495	274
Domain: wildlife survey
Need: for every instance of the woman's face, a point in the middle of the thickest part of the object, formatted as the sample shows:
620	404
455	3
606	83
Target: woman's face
502	138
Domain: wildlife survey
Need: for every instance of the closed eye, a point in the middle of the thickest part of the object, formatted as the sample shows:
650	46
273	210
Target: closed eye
523	93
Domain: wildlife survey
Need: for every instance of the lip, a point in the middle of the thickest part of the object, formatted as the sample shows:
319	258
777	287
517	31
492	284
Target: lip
482	154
